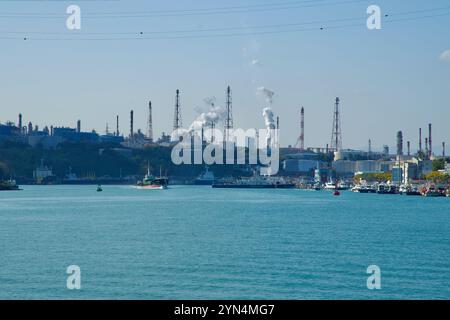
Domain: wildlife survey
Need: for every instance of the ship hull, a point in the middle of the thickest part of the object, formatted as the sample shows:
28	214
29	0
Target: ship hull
203	182
269	186
153	187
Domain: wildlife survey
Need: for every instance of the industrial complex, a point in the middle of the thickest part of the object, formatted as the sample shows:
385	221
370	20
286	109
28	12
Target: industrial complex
310	165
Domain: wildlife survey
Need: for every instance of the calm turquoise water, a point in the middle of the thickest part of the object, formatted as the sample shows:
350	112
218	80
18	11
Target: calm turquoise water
201	243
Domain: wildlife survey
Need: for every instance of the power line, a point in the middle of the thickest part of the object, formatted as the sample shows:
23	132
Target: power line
184	31
320	27
181	10
152	14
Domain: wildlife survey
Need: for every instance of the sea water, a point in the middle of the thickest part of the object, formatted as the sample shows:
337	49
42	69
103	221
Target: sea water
195	242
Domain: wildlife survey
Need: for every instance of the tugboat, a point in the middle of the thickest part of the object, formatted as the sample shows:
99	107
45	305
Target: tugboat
9	185
151	182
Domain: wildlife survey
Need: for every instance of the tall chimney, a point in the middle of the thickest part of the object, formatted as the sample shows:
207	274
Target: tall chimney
131	124
408	143
443	149
399	143
430	147
20	123
420	139
278	122
427	154
117	125
150	122
79	126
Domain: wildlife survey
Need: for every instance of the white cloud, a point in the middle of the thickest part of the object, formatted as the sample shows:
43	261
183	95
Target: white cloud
445	56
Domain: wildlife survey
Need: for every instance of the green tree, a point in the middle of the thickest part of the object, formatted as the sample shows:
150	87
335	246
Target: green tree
439	164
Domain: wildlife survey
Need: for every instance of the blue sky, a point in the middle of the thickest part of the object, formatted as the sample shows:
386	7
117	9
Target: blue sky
388	80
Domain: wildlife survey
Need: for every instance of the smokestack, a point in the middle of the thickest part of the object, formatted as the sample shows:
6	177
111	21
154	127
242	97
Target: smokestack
79	126
30	128
443	149
20	122
131	124
51	130
430	143
400	143
408	143
278	122
427	154
420	139
150	122
117	126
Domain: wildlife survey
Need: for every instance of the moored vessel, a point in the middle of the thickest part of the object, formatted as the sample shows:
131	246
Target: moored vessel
256	182
205	179
9	185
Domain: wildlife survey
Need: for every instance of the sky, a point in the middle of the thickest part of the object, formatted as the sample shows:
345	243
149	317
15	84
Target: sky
396	78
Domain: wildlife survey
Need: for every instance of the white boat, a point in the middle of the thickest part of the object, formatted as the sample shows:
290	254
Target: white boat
330	186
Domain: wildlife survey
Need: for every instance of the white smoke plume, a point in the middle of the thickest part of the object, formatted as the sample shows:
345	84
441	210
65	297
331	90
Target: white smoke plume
267	93
213	115
268	118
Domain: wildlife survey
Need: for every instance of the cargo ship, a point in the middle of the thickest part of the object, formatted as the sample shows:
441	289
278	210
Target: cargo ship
151	182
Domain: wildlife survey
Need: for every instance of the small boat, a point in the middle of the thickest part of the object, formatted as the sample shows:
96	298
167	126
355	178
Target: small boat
342	185
9	185
433	192
364	189
409	190
336	193
330	186
387	189
99	188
